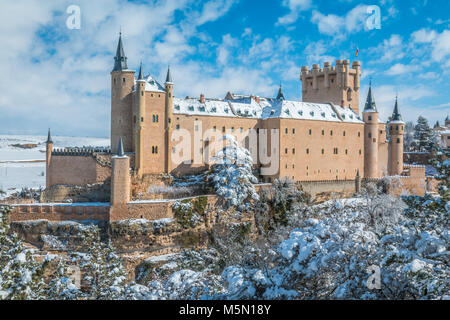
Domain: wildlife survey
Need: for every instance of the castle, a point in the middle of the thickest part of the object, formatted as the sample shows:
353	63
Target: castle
320	139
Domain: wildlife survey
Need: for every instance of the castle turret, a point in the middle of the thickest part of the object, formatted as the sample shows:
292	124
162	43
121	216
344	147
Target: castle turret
447	121
168	119
396	131
120	177
48	158
139	123
280	95
370	118
122	83
339	85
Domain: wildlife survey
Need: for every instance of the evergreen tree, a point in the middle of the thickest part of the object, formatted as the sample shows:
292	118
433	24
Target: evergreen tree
21	277
61	286
409	136
441	162
231	175
423	134
104	276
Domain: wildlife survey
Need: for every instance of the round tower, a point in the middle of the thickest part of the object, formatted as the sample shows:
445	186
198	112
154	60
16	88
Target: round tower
120	177
48	158
396	131
168	119
370	118
139	123
122	84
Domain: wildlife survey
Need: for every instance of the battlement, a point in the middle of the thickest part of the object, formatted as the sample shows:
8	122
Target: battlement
338	84
80	151
101	155
60	212
342	66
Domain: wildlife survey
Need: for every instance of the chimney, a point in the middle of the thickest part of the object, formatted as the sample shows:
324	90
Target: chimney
342	104
202	98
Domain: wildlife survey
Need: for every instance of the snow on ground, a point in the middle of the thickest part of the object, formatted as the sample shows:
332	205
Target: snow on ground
21	168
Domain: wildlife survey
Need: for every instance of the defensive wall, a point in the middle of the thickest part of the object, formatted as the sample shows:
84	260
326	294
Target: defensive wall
79	166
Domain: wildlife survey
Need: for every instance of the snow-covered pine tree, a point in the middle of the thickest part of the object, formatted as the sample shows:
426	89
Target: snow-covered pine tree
409	136
441	162
61	286
423	134
231	175
103	274
21	277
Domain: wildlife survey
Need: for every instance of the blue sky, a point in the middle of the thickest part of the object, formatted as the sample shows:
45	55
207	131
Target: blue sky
56	77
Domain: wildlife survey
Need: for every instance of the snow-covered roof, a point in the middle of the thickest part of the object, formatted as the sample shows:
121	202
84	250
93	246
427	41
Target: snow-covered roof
151	84
265	109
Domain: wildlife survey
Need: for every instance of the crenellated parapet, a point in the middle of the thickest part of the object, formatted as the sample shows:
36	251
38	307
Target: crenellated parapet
338	84
101	155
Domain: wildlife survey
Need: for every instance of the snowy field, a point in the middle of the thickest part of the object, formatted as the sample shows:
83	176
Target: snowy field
21	168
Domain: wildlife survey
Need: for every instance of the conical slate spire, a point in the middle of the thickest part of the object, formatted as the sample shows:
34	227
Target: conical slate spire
141	75
370	102
396	116
120	60
120	152
49	137
169	76
280	95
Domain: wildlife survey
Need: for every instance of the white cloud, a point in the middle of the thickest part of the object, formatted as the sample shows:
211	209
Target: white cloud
295	7
399	69
424	36
389	50
223	51
333	25
429	75
438	42
316	52
60	78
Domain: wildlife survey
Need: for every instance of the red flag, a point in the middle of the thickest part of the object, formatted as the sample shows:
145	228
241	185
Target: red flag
357	51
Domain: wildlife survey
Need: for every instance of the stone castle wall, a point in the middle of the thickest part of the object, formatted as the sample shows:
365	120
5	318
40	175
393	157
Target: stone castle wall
326	187
99	192
60	212
77	170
